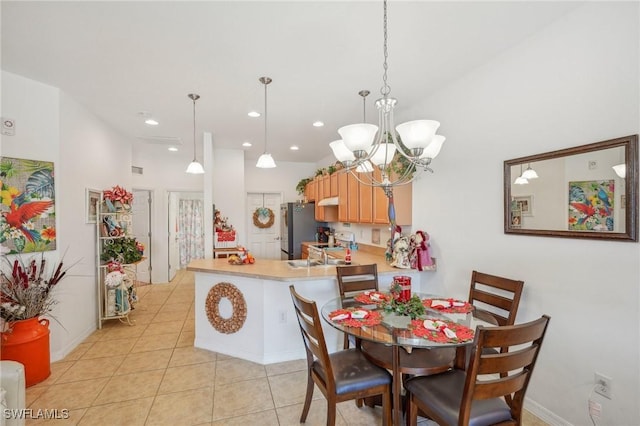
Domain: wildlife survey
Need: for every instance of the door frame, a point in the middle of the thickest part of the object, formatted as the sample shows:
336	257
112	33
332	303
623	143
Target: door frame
149	248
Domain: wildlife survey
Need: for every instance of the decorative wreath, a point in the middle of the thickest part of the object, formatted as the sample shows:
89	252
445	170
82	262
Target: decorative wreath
263	217
238	305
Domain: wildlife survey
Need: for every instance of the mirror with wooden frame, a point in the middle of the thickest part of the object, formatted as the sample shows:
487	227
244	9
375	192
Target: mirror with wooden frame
588	191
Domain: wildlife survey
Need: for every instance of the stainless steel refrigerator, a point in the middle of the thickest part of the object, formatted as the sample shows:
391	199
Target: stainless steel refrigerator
297	224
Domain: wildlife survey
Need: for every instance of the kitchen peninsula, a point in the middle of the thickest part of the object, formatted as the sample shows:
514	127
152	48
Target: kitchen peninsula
270	332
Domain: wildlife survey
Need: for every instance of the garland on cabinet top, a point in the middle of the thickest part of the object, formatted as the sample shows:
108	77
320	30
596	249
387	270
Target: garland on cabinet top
399	165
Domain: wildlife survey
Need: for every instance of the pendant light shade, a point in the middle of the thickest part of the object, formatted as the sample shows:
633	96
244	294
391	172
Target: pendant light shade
529	173
265	161
621	170
194	167
521	180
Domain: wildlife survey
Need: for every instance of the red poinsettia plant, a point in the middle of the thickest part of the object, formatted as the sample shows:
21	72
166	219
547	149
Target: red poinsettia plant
25	289
118	193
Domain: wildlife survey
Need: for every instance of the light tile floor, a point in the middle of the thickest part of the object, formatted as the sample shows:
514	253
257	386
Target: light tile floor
150	374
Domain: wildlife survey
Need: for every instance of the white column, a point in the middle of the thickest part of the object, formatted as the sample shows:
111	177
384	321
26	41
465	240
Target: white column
207	141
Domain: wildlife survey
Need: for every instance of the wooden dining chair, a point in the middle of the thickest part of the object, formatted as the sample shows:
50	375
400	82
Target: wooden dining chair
341	376
478	395
496	299
354	279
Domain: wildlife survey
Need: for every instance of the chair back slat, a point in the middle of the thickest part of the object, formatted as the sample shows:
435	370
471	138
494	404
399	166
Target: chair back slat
505	362
357	278
500	387
312	334
491	375
496	295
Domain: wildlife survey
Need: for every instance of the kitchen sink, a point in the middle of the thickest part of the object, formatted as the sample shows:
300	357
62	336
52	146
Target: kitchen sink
303	263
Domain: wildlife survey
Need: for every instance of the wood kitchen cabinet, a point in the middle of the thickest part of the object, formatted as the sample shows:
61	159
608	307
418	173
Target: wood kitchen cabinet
343	196
353	200
365	203
333	184
348	202
326	186
402	197
310	191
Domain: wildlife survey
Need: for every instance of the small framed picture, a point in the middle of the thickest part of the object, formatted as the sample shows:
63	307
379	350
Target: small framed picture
525	203
93	197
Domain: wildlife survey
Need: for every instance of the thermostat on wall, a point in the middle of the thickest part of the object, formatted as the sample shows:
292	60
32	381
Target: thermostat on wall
8	126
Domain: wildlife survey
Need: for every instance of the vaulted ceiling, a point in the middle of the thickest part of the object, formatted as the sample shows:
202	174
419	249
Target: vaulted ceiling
122	58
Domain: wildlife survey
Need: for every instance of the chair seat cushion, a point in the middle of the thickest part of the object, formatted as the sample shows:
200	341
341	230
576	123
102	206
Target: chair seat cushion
442	393
353	372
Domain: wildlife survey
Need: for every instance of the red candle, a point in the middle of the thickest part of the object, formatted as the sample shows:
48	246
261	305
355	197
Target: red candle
404	284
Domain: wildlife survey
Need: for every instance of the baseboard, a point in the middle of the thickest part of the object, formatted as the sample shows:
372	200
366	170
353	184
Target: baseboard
62	353
543	414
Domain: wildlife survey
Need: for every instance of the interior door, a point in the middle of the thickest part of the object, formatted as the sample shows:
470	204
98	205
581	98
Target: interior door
141	224
264	241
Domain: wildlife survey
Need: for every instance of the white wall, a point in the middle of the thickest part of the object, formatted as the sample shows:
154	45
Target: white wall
574	83
162	172
283	178
86	154
228	188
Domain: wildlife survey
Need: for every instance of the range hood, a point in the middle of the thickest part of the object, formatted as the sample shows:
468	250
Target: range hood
331	201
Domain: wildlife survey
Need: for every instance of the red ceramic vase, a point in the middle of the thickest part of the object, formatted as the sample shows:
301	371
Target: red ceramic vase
27	341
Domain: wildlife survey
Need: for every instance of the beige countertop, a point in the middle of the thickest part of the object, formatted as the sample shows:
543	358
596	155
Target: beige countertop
280	270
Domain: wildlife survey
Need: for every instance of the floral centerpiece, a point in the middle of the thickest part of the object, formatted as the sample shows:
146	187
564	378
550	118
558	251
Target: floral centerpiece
118	196
412	308
25	290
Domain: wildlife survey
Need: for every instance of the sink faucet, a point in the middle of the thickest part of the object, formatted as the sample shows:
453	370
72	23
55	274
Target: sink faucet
318	253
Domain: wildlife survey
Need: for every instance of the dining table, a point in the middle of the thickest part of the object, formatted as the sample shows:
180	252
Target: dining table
447	326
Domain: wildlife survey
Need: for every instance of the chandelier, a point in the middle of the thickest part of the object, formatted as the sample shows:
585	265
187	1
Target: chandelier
365	148
194	167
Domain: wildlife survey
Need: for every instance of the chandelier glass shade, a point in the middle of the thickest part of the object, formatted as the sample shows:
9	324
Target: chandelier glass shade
398	152
194	167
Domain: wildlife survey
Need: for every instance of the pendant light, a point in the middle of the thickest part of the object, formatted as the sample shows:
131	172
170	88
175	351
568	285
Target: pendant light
266	160
521	180
194	167
620	169
529	173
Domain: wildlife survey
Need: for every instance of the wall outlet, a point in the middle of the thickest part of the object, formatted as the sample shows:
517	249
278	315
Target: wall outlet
282	316
603	385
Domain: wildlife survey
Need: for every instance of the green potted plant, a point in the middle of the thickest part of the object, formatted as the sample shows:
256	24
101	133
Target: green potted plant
302	185
124	250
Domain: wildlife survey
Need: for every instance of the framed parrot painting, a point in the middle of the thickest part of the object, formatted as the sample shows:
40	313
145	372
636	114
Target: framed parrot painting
27	206
591	205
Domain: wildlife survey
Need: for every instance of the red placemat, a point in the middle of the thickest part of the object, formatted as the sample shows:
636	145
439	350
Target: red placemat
372	317
463	309
463	333
366	298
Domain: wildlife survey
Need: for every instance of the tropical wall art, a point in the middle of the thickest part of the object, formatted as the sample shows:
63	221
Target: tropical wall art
27	206
591	205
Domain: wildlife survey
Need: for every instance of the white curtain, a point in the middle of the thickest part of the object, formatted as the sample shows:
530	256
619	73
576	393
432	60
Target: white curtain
191	231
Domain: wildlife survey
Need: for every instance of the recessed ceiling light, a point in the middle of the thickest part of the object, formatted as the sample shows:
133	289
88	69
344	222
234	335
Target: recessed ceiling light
246	144
172	148
318	124
254	114
151	122
294	147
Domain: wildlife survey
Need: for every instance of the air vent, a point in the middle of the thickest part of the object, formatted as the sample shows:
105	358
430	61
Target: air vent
136	170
